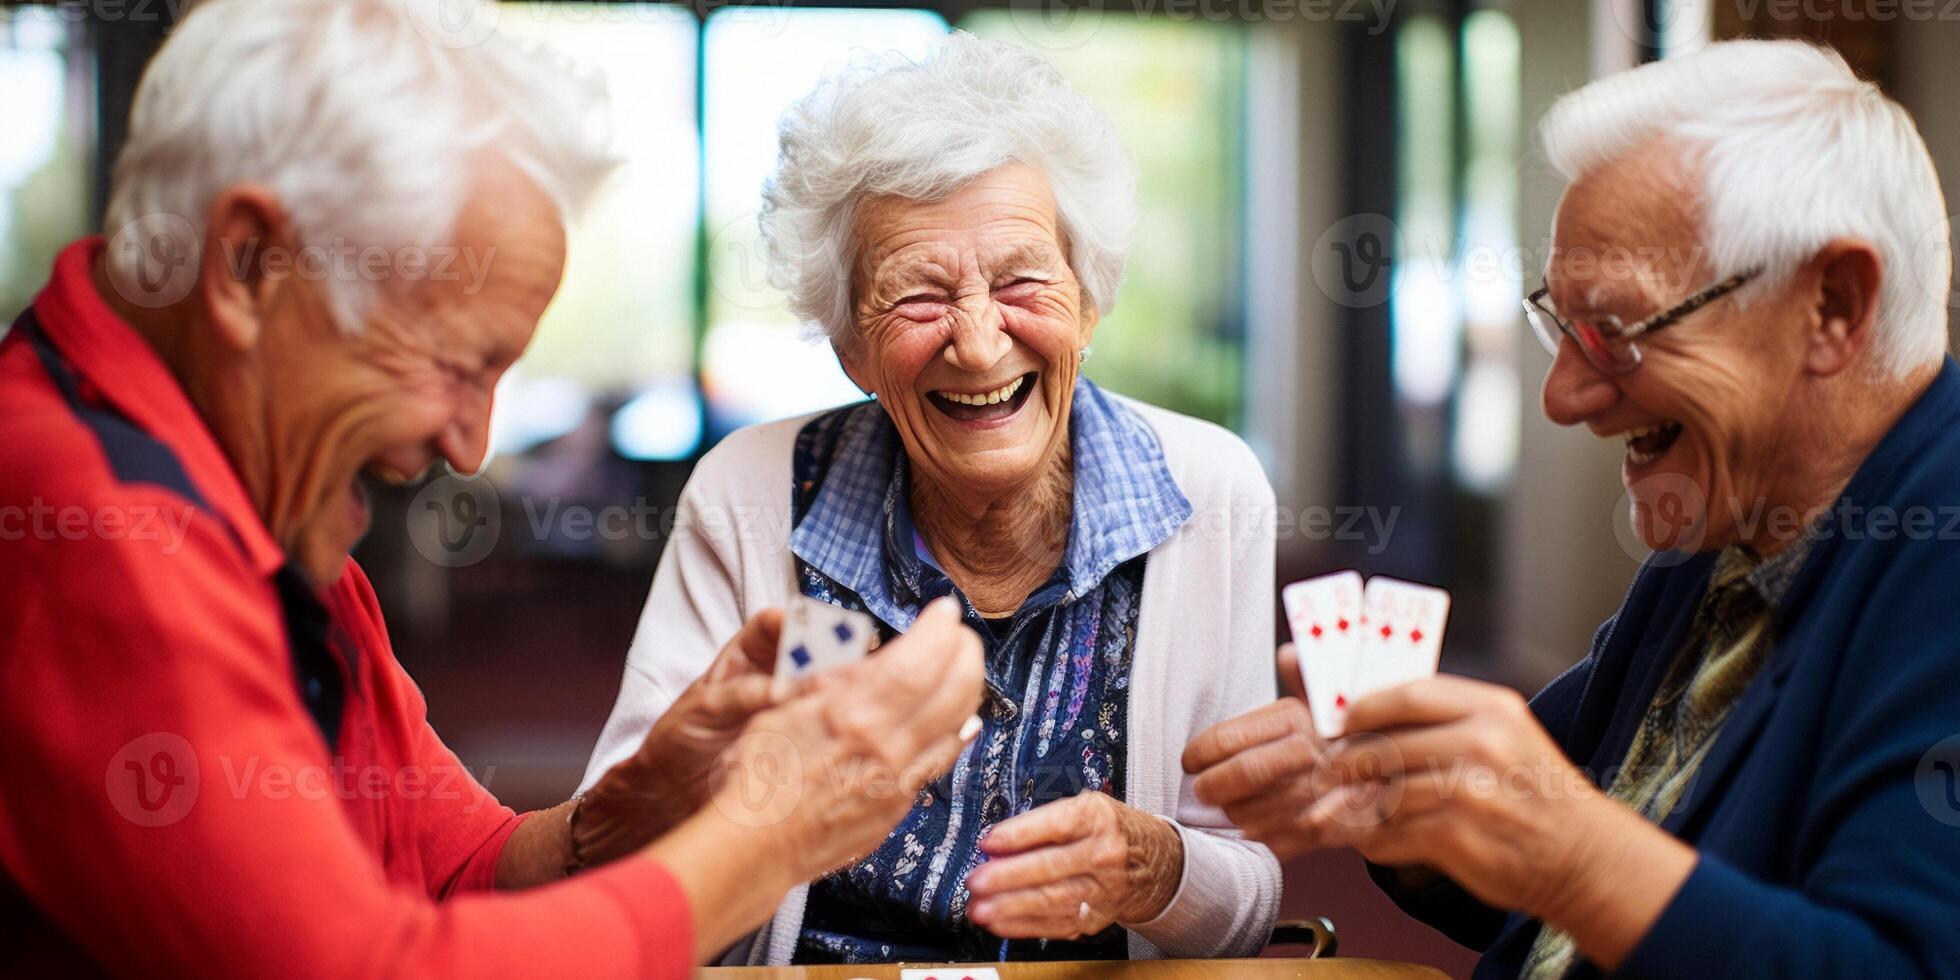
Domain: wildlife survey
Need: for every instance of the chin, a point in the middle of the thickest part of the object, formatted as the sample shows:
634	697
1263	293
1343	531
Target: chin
323	552
323	566
1665	534
1671	511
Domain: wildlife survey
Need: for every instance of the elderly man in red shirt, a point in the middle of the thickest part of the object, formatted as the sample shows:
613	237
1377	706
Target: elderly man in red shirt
190	664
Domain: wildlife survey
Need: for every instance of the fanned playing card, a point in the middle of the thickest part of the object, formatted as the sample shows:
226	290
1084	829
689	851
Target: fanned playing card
1324	614
1403	634
816	637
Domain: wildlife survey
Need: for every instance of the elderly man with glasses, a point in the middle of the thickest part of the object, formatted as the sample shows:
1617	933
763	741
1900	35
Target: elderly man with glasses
1753	771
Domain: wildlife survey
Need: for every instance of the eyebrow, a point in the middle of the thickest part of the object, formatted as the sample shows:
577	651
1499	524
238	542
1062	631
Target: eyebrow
925	266
1025	254
1599	298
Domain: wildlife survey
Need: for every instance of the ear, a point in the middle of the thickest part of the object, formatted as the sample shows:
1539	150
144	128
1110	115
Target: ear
853	364
1849	275
246	257
1087	331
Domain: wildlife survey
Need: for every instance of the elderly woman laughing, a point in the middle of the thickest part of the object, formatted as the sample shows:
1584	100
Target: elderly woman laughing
957	226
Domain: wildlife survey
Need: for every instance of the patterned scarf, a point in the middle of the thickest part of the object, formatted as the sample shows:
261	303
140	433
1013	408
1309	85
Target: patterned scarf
1732	634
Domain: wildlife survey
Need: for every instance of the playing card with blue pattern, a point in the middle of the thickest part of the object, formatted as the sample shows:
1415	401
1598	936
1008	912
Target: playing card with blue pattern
816	637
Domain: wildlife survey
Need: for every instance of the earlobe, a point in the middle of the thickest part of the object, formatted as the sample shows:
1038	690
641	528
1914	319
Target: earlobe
236	273
1849	275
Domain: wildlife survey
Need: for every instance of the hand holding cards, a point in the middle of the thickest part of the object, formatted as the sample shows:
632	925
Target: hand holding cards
1355	639
818	636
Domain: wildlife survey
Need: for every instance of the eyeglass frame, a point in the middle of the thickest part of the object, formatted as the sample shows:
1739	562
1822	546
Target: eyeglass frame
1535	304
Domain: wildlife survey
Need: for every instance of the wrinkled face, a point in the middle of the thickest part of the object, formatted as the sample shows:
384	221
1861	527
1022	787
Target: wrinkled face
416	384
969	327
1701	418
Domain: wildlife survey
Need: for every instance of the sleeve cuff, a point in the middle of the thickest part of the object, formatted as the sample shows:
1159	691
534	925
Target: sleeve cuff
479	873
1212	901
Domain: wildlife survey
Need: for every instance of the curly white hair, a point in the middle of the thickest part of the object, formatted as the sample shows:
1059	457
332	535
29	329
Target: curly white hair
889	125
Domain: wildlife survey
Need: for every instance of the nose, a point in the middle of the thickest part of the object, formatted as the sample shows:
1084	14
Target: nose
465	442
1575	390
980	338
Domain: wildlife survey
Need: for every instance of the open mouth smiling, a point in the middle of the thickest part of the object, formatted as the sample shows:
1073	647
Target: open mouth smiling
985	406
1649	443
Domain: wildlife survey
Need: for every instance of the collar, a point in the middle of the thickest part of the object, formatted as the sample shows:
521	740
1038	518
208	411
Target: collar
1772	577
1125	503
1877	481
123	370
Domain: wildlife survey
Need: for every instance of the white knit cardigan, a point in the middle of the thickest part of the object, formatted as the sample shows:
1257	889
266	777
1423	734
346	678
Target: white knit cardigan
1203	654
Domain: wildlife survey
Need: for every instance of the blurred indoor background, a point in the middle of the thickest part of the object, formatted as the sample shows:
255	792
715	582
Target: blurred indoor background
1340	209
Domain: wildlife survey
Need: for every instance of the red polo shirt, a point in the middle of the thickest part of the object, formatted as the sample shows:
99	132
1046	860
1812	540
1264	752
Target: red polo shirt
205	768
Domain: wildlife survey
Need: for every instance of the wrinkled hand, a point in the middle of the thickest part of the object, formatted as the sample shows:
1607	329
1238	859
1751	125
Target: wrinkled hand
1070	868
829	773
667	778
1263	769
1458	775
1447	775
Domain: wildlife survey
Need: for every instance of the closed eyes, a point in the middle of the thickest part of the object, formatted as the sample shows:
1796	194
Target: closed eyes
1020	287
1012	289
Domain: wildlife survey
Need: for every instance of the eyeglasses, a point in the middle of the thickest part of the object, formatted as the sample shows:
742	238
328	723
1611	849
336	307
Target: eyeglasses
1607	343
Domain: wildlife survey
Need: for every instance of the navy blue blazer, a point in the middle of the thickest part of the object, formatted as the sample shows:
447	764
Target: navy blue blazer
1827	814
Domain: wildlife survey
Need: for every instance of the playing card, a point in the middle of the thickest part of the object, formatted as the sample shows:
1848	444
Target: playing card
951	973
1324	614
818	636
1402	636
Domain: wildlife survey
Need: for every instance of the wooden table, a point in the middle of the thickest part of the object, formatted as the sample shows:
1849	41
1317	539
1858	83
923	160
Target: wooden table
1337	968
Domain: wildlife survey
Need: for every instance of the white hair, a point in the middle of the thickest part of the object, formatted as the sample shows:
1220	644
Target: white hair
1790	150
361	115
920	130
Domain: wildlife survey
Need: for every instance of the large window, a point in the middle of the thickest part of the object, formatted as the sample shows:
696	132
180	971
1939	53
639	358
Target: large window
1454	311
1176	91
759	363
665	332
620	334
45	154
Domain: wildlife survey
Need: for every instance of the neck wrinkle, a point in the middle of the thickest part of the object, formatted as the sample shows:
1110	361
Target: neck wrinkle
998	551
